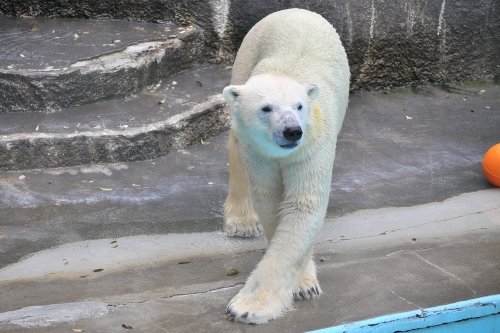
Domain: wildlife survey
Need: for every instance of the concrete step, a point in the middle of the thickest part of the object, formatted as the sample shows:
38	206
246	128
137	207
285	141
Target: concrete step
176	112
50	64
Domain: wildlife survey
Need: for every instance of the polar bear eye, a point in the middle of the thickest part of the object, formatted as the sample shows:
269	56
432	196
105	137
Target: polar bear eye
267	108
299	107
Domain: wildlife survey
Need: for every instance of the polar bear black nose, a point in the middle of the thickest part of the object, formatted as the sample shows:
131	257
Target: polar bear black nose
292	133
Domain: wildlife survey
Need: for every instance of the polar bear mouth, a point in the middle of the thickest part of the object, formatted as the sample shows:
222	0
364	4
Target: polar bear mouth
289	145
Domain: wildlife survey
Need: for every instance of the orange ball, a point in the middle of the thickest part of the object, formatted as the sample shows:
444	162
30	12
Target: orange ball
491	165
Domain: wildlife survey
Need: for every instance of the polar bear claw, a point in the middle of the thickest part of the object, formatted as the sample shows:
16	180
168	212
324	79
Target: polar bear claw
249	308
241	227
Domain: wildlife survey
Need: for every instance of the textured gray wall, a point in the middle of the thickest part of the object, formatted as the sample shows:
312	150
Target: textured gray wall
389	43
393	43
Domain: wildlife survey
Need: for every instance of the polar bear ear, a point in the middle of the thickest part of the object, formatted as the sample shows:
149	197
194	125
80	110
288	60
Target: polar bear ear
312	91
231	93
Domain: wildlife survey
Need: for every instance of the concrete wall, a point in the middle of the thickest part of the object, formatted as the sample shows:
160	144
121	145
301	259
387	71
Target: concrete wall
389	43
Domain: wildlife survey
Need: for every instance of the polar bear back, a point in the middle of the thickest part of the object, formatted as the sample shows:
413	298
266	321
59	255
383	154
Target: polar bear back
302	45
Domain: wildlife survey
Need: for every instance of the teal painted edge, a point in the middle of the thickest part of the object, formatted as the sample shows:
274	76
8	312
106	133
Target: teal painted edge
425	318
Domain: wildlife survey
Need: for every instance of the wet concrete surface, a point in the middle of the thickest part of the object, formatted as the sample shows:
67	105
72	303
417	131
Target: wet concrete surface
422	143
402	148
51	44
49	64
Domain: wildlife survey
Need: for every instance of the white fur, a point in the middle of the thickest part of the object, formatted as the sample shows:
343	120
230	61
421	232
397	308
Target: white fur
290	58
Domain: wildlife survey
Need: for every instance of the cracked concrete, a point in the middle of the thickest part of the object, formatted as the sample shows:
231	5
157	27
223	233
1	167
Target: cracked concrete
357	285
446	272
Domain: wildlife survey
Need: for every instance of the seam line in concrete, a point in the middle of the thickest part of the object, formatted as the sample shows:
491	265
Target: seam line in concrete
446	272
404	299
213	290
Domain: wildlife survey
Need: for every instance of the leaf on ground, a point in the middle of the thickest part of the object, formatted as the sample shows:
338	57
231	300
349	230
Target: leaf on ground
98	270
105	189
232	271
78	330
203	142
136	185
127	327
408	118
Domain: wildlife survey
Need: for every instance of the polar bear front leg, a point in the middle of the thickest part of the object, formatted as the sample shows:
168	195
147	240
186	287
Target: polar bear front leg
240	219
262	298
268	292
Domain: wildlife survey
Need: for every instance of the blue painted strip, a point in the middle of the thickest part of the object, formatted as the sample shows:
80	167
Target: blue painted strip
426	318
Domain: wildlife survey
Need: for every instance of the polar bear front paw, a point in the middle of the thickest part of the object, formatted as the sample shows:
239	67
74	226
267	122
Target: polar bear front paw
308	288
255	308
241	227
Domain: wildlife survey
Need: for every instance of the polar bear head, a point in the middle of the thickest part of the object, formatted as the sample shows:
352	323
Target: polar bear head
271	112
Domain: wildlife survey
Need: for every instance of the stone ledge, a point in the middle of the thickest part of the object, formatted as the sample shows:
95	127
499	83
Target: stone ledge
52	64
41	150
165	117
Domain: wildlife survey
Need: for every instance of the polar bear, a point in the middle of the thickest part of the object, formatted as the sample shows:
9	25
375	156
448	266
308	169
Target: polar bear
288	96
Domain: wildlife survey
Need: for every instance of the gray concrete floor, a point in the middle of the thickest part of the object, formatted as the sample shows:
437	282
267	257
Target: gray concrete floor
412	223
